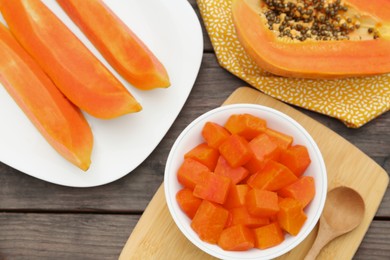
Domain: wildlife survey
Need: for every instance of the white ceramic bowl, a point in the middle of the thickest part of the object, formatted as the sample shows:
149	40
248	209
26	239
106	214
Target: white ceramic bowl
191	136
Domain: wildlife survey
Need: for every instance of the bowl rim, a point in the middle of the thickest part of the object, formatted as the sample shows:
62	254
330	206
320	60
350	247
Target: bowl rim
209	248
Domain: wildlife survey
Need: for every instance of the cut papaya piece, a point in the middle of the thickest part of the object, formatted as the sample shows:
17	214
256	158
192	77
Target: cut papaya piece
204	154
236	150
268	236
118	44
235	174
263	149
302	190
59	121
237	238
282	140
80	76
236	195
291	216
262	203
320	40
272	177
209	221
245	125
241	216
214	134
213	188
296	158
188	202
191	173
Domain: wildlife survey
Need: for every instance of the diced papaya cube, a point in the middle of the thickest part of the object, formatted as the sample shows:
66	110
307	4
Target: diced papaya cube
263	150
229	220
283	140
209	221
237	238
242	216
296	158
303	190
205	155
273	218
235	174
188	202
291	216
191	172
245	125
214	188
236	195
236	150
262	203
272	177
268	236
214	134
242	190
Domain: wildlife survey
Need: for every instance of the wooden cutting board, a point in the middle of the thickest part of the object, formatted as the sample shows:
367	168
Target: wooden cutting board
157	237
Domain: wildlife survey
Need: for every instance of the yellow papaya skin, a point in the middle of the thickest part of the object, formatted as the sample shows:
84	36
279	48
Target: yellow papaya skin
80	76
119	45
314	59
59	121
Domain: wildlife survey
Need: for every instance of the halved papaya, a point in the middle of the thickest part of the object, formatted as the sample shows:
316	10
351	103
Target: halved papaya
117	43
82	78
315	39
59	121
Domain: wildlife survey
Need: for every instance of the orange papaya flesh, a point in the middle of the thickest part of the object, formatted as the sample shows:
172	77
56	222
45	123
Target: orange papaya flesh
236	195
283	140
268	236
356	44
213	188
80	76
191	173
241	216
302	190
214	134
263	149
204	154
209	221
237	238
120	46
262	203
58	120
291	216
272	177
235	174
236	150
245	125
188	202
296	158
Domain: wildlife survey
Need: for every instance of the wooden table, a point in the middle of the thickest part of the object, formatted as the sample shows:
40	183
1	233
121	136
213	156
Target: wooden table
39	220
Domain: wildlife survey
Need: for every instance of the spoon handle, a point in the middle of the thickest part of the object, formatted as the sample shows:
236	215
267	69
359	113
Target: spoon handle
323	237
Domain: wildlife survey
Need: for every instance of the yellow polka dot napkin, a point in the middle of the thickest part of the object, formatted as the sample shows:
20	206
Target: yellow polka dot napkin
355	101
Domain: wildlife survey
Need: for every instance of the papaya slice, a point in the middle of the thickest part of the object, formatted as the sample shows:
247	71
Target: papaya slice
82	78
315	39
117	43
59	121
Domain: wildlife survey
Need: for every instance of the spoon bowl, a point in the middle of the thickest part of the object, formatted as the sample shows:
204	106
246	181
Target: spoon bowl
344	210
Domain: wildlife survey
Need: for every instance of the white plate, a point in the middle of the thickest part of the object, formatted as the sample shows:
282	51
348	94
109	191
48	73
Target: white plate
172	31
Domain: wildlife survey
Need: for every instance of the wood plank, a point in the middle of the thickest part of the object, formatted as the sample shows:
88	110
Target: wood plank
63	236
93	236
346	165
133	192
376	243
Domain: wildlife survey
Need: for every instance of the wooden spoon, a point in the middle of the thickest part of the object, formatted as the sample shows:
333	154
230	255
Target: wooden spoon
343	211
